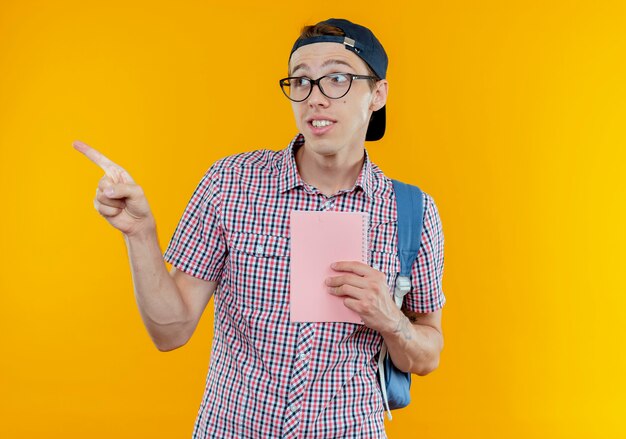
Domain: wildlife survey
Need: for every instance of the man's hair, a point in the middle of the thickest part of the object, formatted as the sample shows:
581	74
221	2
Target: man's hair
320	29
317	30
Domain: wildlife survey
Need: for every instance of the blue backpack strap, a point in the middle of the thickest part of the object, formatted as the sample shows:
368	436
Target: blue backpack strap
395	384
410	205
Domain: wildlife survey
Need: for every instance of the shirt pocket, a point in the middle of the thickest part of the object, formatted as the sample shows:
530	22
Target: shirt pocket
387	262
259	268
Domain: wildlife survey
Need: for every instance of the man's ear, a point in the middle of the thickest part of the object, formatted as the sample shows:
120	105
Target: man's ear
379	95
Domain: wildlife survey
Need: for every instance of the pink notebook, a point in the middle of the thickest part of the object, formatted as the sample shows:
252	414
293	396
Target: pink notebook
317	240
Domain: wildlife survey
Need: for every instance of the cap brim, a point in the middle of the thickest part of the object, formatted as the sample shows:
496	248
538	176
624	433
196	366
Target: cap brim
376	128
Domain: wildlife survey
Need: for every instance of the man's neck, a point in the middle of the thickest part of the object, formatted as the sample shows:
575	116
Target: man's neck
329	174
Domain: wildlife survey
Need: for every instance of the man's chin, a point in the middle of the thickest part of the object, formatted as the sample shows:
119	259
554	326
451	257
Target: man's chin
324	146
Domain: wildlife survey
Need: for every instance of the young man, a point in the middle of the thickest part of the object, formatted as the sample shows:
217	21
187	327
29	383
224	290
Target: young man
270	377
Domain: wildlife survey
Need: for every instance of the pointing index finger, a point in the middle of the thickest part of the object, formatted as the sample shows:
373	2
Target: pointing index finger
95	156
111	169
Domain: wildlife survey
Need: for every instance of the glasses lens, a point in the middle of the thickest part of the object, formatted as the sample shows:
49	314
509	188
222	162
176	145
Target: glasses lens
296	89
336	85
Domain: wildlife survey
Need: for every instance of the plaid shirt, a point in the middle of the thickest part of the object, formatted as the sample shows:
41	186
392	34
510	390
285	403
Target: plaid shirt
268	377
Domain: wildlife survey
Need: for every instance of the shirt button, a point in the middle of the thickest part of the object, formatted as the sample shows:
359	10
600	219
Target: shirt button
302	356
259	249
375	266
293	408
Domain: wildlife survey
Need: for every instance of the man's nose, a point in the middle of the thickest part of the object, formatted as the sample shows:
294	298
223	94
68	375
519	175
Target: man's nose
317	97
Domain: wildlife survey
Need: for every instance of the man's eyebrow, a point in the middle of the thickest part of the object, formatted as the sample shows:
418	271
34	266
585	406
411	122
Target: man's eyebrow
326	63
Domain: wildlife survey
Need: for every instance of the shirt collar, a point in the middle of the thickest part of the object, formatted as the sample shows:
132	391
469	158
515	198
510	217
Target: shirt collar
289	177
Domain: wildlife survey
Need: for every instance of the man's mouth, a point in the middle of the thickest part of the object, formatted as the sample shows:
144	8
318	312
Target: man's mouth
318	123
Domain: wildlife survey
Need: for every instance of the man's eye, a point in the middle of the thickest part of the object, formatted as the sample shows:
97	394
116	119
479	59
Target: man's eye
300	82
339	78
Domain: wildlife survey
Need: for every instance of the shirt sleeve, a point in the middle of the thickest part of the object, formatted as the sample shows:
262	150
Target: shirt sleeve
198	246
426	293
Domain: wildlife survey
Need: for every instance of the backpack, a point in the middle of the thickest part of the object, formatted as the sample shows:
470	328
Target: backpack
395	384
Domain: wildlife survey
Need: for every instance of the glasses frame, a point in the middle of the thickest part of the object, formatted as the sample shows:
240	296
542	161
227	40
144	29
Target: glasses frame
282	83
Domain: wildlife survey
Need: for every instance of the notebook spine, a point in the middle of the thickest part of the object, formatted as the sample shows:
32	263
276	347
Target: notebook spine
365	243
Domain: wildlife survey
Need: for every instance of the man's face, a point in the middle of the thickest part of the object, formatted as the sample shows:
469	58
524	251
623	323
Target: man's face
348	116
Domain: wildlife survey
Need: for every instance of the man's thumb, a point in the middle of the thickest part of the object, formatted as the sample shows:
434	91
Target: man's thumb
118	191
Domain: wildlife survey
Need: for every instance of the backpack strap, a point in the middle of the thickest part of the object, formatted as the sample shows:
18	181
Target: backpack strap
410	207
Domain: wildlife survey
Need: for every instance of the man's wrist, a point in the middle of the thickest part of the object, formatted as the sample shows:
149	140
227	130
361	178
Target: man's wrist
396	326
399	323
142	235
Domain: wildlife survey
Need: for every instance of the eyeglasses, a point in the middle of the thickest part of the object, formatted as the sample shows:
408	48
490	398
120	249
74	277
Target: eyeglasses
333	86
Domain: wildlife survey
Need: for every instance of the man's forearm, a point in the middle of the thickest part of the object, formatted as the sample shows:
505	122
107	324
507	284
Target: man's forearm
414	347
160	304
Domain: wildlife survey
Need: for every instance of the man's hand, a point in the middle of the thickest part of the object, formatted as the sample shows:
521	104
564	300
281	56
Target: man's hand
118	198
365	291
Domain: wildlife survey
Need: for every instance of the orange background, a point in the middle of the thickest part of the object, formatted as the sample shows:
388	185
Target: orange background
510	114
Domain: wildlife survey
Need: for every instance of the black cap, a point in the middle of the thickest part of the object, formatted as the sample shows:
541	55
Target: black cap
361	41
